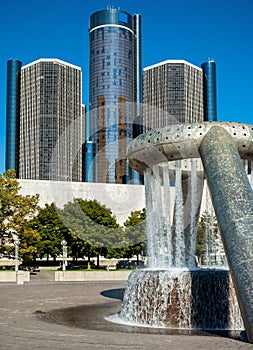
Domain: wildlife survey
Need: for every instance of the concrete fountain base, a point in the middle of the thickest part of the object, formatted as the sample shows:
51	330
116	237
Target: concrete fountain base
183	299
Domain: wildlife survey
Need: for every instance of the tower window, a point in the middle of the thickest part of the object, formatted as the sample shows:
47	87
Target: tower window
122	17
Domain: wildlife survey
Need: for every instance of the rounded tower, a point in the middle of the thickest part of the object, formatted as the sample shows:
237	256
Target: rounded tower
114	78
12	115
210	104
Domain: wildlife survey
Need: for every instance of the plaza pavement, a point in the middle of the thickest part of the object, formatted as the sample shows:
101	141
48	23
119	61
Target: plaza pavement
38	315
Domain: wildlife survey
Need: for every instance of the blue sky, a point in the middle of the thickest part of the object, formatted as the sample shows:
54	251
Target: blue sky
187	29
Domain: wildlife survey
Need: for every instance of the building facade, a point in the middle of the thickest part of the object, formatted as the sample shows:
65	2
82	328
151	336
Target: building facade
50	121
115	90
12	115
209	82
173	93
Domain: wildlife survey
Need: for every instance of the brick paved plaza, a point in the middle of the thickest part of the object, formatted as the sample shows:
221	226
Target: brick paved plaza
24	309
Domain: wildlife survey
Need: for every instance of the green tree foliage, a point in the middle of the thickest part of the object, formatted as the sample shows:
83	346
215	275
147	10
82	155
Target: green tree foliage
206	233
135	232
133	237
201	237
137	218
94	224
90	230
98	213
51	230
90	221
16	219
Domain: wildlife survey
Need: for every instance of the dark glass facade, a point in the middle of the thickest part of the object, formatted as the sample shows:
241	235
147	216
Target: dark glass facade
115	88
210	104
12	115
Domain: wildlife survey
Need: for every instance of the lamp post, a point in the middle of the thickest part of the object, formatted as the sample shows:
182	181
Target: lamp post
16	242
64	254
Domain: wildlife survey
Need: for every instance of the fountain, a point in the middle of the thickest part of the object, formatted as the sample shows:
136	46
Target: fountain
172	292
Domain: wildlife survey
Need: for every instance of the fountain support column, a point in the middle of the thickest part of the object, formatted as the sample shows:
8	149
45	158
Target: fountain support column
232	198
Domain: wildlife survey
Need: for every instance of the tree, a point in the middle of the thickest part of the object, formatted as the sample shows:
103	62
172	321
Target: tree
136	218
133	237
90	230
207	232
16	219
51	230
94	224
135	233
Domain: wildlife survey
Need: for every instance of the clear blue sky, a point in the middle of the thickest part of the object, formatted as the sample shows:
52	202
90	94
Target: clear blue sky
187	29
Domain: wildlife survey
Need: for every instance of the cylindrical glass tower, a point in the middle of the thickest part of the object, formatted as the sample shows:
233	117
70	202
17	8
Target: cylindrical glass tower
12	115
210	104
115	84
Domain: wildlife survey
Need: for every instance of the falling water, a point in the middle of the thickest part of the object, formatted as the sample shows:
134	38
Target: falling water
158	218
155	219
209	229
193	223
251	175
158	225
151	236
249	171
167	215
162	253
179	257
182	299
166	243
170	292
151	309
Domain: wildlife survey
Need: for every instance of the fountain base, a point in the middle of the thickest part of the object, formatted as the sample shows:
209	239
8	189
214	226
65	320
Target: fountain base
202	299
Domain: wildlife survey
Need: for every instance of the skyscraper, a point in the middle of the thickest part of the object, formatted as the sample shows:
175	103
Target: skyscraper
12	115
173	93
50	121
210	110
114	93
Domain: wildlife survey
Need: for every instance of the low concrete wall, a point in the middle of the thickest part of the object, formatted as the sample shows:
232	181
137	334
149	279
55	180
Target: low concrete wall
80	276
10	276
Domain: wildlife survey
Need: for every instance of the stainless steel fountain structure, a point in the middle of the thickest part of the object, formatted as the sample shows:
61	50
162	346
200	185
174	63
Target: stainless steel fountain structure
221	146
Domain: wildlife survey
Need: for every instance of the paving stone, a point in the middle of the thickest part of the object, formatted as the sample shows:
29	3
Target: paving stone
48	315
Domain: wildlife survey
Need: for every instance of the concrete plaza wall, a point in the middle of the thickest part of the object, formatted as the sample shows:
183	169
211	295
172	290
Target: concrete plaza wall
121	199
81	276
10	276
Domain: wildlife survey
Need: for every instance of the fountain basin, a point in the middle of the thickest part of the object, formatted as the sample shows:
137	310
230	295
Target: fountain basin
202	299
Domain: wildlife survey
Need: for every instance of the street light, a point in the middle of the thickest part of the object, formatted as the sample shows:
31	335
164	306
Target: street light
64	254
16	242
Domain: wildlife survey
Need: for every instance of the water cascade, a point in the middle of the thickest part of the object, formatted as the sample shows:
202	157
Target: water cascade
181	299
172	292
179	256
193	223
